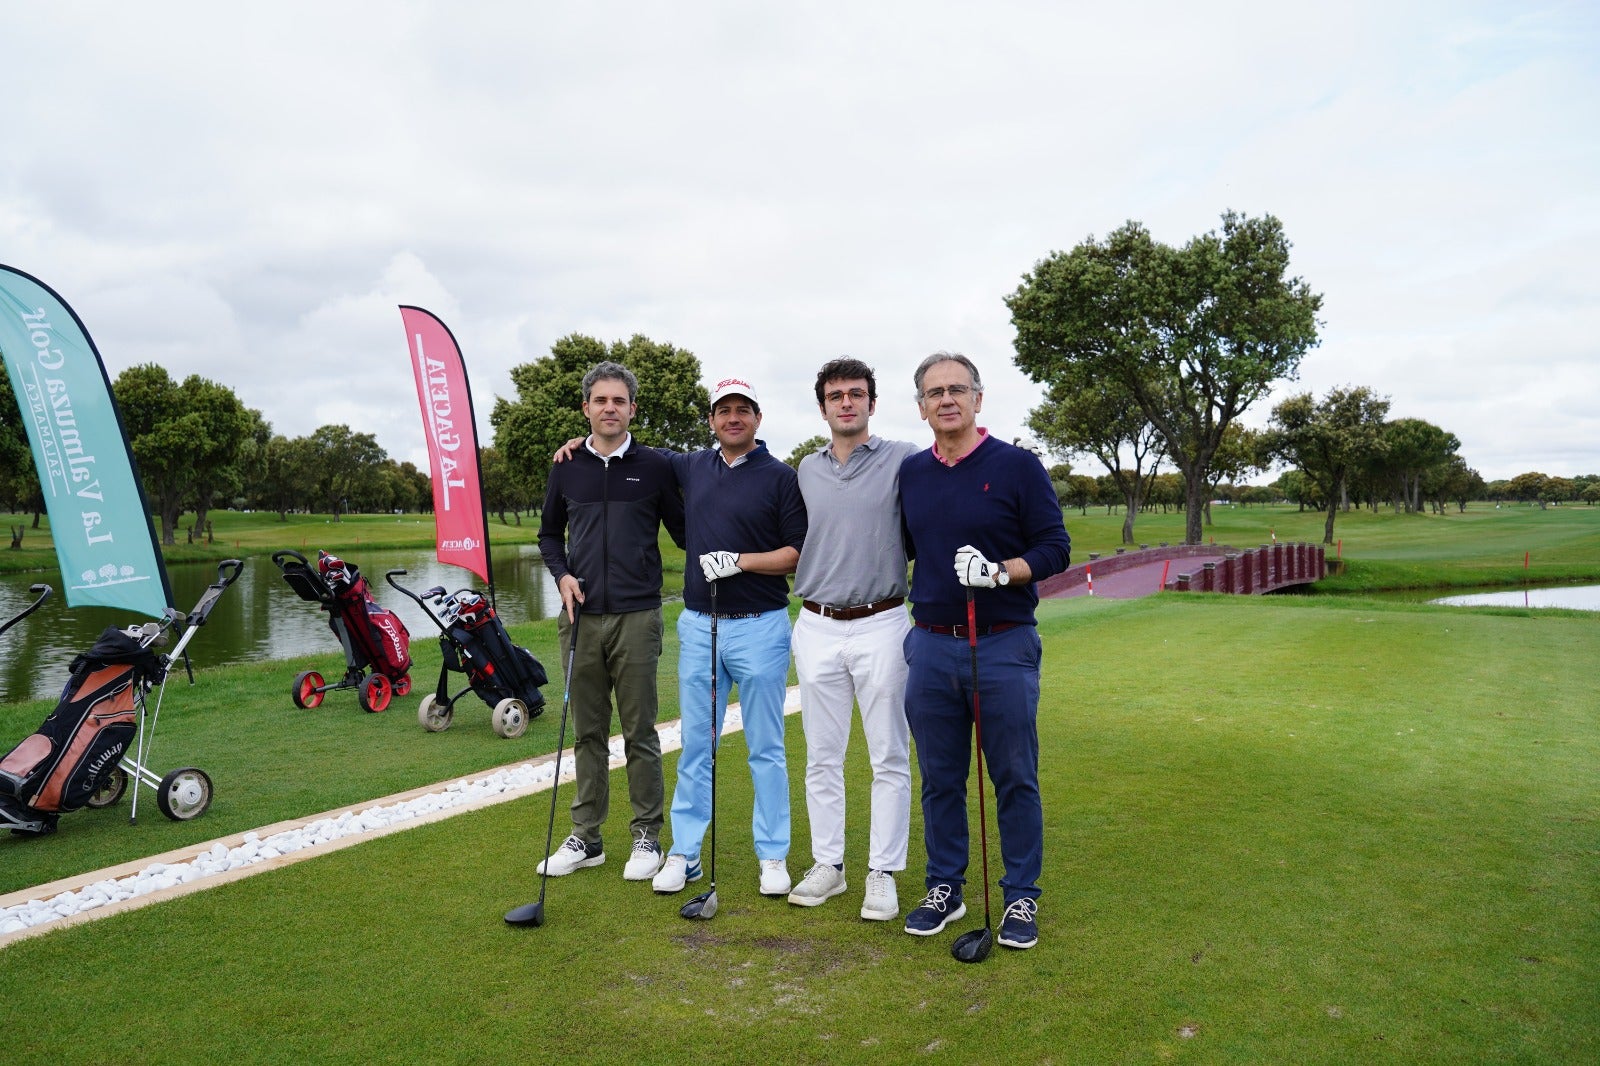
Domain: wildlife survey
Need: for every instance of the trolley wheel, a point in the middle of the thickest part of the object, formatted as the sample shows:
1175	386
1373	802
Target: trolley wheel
108	788
184	794
434	715
403	686
307	690
375	693
510	718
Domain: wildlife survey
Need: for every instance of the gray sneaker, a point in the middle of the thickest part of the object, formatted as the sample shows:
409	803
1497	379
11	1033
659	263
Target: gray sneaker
820	884
645	860
882	902
573	854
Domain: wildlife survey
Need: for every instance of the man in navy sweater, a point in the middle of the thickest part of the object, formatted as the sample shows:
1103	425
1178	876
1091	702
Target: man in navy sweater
601	514
981	514
746	525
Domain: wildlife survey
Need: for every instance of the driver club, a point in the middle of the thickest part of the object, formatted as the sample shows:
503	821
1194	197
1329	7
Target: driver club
704	906
533	913
975	945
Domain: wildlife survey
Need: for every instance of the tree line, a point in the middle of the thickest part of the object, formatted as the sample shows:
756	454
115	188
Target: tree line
1147	354
199	448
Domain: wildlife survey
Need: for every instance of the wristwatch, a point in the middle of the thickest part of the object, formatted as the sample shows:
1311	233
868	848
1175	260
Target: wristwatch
1004	576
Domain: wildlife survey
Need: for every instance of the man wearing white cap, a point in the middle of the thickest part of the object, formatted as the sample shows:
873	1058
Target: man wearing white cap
746	525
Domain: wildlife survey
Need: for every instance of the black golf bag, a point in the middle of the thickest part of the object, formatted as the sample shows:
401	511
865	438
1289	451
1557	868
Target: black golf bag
75	752
372	637
474	642
97	738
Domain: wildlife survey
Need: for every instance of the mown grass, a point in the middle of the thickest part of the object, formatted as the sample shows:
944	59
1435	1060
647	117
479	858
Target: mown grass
1277	831
237	533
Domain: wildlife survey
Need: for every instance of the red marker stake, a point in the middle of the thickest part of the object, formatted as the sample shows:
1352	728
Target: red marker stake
1089	574
1163	575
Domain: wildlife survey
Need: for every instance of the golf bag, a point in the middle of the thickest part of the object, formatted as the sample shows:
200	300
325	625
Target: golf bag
372	638
73	755
475	642
97	738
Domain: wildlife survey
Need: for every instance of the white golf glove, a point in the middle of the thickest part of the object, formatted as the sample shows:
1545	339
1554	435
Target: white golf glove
974	571
717	565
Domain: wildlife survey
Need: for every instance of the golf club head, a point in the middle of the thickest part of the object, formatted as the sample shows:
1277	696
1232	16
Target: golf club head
703	907
973	946
527	914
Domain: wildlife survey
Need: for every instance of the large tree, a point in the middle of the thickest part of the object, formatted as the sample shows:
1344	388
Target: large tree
1236	458
1083	415
673	405
1412	450
809	446
346	469
288	471
227	454
185	436
19	478
1195	335
1326	441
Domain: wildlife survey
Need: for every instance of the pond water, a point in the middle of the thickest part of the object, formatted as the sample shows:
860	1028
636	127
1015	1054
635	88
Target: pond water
258	618
1575	597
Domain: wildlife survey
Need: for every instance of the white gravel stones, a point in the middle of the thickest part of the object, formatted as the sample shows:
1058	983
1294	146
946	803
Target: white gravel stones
253	849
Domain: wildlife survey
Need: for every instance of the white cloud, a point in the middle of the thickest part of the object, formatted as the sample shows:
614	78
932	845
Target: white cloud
249	195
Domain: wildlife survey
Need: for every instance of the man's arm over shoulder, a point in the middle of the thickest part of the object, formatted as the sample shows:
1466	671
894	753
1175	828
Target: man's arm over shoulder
670	506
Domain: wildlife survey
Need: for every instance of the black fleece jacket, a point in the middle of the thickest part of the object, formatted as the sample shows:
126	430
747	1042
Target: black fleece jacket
599	523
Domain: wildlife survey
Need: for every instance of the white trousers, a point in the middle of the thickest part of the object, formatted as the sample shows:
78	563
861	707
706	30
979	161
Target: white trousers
838	664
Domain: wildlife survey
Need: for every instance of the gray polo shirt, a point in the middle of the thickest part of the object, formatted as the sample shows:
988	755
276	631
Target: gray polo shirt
853	553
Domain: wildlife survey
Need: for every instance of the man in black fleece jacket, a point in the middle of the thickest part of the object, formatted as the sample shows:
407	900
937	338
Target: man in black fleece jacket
601	515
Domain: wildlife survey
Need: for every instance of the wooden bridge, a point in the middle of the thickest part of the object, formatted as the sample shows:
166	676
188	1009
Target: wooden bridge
1190	568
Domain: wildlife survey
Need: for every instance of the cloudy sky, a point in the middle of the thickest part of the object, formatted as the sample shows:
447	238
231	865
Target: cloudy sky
248	192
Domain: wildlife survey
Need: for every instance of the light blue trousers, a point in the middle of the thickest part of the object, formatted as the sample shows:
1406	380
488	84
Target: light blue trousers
754	654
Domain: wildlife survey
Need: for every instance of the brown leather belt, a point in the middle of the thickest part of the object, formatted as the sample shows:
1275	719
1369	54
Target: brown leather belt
961	631
848	614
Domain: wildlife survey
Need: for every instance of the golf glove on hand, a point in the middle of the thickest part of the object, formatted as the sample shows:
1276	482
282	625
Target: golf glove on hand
973	570
717	565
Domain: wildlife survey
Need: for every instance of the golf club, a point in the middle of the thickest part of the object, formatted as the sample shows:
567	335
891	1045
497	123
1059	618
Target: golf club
533	913
704	906
975	945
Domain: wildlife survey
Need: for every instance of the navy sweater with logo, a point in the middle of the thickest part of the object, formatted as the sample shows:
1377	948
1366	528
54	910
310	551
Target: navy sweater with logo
997	499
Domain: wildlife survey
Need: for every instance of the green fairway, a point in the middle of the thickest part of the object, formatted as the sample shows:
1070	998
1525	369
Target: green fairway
1310	829
1277	831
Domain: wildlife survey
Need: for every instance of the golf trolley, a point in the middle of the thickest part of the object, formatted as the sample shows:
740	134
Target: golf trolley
372	637
101	733
474	642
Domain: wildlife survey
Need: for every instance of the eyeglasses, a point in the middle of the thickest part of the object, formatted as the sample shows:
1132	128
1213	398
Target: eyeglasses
938	392
838	395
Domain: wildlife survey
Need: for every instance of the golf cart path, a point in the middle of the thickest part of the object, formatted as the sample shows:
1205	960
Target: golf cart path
141	882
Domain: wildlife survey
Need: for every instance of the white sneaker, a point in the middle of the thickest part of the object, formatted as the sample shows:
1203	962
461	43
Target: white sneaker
645	860
675	873
882	903
774	877
573	854
821	883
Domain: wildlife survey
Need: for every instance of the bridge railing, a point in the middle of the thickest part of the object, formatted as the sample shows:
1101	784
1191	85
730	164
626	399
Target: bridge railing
1259	570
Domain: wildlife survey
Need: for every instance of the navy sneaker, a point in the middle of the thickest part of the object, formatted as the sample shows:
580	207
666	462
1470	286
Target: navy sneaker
941	906
1020	926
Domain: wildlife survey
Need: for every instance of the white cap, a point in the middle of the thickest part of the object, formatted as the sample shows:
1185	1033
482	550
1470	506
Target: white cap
734	387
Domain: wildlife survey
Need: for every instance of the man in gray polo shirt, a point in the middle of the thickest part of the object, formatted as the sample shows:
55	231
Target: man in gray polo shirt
848	638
